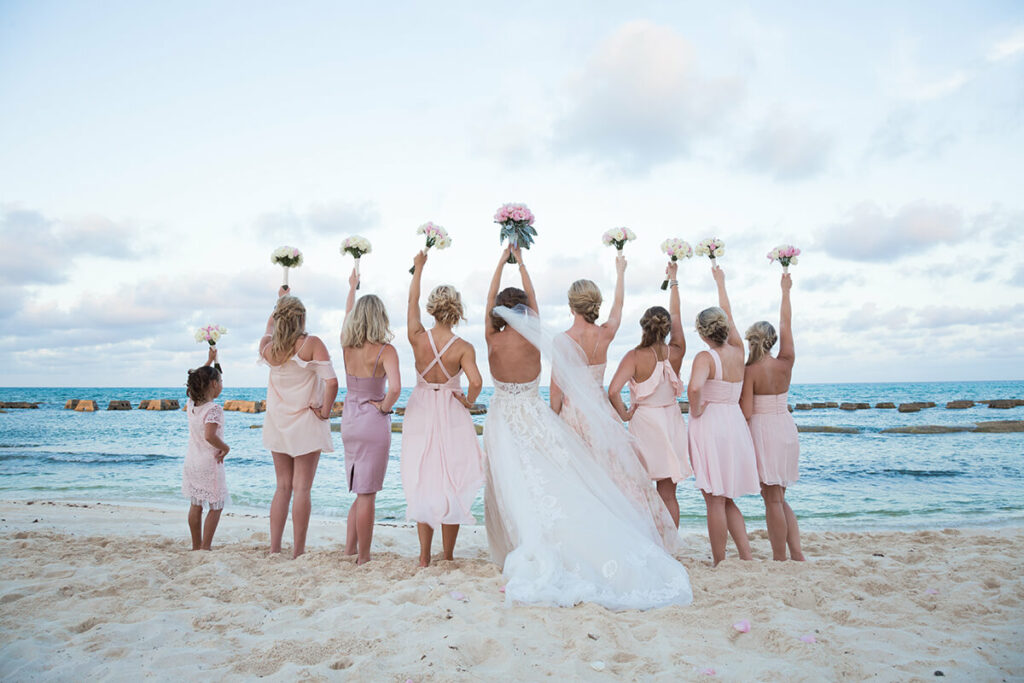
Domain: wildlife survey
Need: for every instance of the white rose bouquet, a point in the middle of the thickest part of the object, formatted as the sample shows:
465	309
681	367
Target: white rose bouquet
516	221
713	248
786	254
357	246
210	334
286	257
618	237
675	249
436	237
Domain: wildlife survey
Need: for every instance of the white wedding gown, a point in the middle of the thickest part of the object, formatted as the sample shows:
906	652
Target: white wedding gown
560	528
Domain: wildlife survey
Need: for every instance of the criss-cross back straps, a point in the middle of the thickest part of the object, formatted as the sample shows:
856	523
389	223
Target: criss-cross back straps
718	364
437	356
374	373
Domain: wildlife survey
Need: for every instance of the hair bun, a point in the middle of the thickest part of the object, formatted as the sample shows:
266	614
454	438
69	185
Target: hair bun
445	304
585	299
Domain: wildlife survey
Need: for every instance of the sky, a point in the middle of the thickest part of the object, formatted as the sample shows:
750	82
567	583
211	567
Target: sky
153	155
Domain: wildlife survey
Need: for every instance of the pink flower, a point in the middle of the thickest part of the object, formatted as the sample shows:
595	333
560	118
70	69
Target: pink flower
743	626
808	638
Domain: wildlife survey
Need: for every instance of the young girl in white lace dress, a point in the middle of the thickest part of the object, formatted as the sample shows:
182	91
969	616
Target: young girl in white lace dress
203	480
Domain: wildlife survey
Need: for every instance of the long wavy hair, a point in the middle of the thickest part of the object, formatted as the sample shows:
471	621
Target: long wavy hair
289	324
367	323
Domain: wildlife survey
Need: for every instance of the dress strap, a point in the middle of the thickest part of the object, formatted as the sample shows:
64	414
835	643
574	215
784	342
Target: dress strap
437	356
718	364
374	373
656	359
596	344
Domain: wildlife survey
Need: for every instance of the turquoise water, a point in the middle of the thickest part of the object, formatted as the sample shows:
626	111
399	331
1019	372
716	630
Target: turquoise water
850	481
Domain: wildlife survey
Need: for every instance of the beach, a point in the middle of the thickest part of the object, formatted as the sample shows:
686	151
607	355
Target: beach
94	590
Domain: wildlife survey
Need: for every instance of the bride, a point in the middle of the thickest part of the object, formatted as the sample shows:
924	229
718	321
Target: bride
561	529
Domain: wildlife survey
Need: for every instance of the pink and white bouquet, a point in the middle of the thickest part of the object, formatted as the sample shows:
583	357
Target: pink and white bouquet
210	334
786	254
516	221
618	237
357	246
286	257
675	249
436	237
713	248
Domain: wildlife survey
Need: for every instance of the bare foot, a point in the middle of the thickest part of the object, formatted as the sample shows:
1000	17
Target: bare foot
424	562
799	558
363	560
450	557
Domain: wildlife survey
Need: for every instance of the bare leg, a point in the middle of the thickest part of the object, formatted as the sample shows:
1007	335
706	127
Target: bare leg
195	520
364	524
210	528
350	528
302	483
775	518
793	531
718	530
449	532
738	529
426	534
283	466
667	491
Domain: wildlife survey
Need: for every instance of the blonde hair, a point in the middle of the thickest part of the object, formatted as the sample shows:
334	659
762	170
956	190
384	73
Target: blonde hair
367	323
289	324
585	299
445	304
713	325
761	337
656	323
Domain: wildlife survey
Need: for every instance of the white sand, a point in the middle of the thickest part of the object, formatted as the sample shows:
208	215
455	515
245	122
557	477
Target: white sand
102	591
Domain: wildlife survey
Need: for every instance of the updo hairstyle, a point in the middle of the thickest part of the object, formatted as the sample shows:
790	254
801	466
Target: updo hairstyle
289	324
585	299
198	384
761	337
509	297
655	324
367	323
445	304
713	325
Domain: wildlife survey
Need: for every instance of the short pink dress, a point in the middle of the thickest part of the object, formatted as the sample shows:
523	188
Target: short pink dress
295	386
658	425
203	481
721	451
442	462
365	431
776	442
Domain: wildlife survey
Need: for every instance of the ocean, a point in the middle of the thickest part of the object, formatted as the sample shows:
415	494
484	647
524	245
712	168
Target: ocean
867	480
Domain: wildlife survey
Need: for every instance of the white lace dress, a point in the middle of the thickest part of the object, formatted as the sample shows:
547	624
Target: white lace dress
561	529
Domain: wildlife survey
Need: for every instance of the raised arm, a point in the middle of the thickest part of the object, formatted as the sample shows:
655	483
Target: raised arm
531	296
723	302
677	341
615	315
787	351
350	301
268	333
626	370
492	293
414	325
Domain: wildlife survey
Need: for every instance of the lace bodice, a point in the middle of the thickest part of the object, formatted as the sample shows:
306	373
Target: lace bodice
514	390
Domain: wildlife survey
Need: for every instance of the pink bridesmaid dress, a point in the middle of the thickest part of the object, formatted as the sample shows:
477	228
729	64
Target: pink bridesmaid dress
442	462
721	450
658	425
776	443
295	386
204	482
365	432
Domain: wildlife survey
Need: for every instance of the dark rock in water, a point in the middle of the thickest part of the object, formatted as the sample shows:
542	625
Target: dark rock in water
336	408
478	409
803	406
1000	426
144	404
959	405
119	405
161	404
246	406
822	429
819	405
910	407
18	404
71	404
790	406
400	411
831	404
928	429
85	406
854	406
684	407
1003	404
885	405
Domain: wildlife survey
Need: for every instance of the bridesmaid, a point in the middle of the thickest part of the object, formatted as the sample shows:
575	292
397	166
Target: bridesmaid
370	364
300	392
721	451
652	370
442	463
776	444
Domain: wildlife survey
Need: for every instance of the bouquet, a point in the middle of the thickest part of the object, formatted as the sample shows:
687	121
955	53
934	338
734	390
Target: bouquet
516	221
675	249
785	254
713	248
436	237
287	257
618	237
210	334
357	246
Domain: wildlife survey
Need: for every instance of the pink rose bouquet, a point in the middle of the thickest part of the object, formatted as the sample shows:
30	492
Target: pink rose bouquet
436	237
516	221
713	248
618	237
786	254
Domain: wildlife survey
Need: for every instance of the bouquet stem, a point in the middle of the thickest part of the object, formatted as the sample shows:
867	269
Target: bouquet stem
357	272
714	263
424	250
664	284
285	275
785	268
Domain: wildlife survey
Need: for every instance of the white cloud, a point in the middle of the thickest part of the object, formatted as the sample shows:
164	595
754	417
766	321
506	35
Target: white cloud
1008	48
788	150
641	101
870	234
335	218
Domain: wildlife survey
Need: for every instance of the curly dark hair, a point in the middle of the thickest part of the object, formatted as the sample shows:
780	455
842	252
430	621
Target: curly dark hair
199	381
510	297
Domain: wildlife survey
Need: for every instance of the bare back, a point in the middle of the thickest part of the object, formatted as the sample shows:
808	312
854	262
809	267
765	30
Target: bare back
593	339
732	363
512	358
360	361
769	376
452	358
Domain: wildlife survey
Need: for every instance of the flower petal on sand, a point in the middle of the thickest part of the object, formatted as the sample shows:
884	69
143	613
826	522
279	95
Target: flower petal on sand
456	595
808	638
743	626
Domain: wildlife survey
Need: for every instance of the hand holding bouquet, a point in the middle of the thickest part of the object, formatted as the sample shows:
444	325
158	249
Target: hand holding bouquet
286	257
675	249
713	248
785	254
357	246
618	237
516	221
210	334
436	237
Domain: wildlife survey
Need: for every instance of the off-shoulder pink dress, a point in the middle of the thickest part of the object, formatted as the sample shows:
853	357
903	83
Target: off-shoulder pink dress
721	451
203	480
442	462
658	425
776	442
290	427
